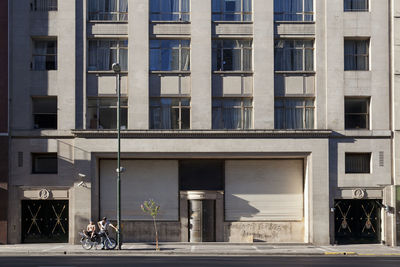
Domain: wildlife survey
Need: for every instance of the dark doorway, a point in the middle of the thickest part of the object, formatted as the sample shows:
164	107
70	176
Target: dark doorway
201	175
357	221
44	221
201	220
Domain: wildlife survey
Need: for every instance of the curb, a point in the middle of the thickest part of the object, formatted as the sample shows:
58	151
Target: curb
341	253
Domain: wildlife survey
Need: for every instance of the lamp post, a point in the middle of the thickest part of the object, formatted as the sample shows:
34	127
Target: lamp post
117	70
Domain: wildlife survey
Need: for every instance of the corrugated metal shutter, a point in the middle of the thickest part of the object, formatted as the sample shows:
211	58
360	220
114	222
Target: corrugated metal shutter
143	179
257	190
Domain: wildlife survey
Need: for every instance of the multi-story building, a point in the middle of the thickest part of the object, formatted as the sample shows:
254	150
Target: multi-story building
245	120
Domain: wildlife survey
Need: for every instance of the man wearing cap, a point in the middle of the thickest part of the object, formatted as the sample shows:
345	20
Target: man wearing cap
103	226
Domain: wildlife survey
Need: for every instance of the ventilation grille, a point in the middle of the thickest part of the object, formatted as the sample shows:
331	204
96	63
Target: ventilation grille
381	159
20	159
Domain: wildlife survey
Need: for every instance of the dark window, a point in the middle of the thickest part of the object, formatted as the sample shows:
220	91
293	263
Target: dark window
232	113
103	53
114	10
201	175
44	5
232	10
170	10
356	5
293	10
294	113
45	163
232	55
358	162
169	55
102	113
44	55
357	113
356	54
294	55
169	113
44	112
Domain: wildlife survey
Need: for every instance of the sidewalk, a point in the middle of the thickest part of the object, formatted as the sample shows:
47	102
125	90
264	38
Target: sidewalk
200	249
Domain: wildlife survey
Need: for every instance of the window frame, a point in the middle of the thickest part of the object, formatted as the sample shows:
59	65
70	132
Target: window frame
98	107
303	14
355	56
180	107
242	107
38	113
366	154
294	48
98	14
180	13
355	10
111	48
35	54
180	48
223	13
46	155
367	114
218	48
48	5
304	108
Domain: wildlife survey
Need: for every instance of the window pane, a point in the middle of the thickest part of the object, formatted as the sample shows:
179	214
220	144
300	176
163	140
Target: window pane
185	120
358	163
45	163
108	118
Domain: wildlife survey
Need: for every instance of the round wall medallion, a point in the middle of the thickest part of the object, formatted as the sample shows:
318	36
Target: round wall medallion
358	193
44	194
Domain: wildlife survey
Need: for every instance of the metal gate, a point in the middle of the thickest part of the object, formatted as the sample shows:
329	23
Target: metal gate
44	221
357	221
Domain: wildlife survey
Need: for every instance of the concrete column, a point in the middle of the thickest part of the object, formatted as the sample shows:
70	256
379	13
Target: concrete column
201	65
138	67
263	54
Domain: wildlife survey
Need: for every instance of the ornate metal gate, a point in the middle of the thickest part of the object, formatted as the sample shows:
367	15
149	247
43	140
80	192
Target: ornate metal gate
44	221
357	221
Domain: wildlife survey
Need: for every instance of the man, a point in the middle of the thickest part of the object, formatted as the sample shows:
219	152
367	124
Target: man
90	229
103	226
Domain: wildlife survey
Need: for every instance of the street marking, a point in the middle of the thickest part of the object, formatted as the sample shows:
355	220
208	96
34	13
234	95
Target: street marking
56	247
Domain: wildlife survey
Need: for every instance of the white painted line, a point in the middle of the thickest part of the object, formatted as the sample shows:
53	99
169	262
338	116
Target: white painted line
56	247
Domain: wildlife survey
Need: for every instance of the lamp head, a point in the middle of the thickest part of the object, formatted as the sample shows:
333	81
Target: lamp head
116	67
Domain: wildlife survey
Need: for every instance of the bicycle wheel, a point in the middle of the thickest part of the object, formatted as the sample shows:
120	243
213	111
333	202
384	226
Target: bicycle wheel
110	243
86	244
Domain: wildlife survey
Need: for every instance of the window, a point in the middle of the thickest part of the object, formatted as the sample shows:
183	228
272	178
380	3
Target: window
355	5
44	163
44	112
294	113
294	55
103	53
357	113
358	162
102	113
231	10
44	5
115	10
232	113
44	55
169	55
293	10
170	113
170	10
232	55
356	54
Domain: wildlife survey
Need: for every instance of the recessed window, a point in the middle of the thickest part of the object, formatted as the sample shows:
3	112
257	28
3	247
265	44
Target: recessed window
294	113
232	55
169	55
44	5
232	113
44	163
102	113
293	10
358	162
113	10
232	10
103	53
357	113
356	5
356	54
294	55
44	55
170	10
170	113
44	112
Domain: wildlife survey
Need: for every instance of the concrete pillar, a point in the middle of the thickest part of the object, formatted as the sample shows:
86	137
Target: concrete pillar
138	67
201	57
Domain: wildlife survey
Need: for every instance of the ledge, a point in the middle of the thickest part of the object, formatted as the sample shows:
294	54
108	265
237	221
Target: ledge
41	134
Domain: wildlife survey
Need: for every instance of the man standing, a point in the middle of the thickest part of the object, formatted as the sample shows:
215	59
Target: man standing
103	226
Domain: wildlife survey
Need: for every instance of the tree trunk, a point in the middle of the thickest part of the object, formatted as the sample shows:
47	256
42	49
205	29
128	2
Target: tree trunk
155	228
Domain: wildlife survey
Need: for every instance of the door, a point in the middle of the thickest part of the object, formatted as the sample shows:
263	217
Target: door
201	220
357	221
44	221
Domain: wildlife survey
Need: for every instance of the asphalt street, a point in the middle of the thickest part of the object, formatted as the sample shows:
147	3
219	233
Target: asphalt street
113	261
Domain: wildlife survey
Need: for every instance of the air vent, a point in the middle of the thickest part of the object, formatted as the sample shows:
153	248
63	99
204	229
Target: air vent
381	159
20	159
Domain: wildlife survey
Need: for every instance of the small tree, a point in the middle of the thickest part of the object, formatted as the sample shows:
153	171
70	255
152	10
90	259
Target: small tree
150	207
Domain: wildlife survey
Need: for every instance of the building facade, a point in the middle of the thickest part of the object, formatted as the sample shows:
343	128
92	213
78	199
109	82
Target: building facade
245	120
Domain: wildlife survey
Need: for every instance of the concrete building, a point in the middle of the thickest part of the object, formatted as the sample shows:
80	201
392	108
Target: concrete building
246	120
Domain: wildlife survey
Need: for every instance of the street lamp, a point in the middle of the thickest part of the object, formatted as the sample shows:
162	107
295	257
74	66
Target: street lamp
117	70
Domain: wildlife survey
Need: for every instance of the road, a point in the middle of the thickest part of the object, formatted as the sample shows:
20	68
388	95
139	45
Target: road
114	261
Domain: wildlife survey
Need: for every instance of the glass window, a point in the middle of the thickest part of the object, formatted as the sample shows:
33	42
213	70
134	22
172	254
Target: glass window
102	113
169	55
44	112
44	163
358	162
232	10
232	55
356	54
355	5
357	113
44	55
232	113
294	55
294	113
170	10
114	10
170	113
103	53
44	5
293	10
